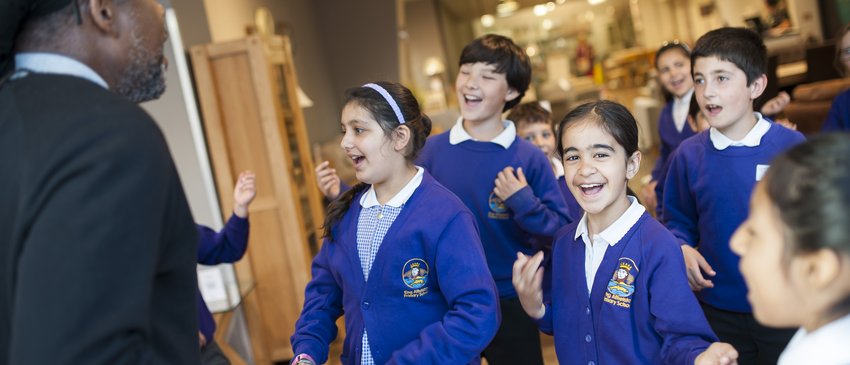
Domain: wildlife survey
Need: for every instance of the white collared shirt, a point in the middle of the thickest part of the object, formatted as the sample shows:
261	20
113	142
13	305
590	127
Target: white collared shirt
52	63
370	199
595	252
825	346
752	139
680	110
504	139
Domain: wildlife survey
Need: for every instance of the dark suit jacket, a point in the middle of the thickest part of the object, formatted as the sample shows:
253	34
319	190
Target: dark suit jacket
97	243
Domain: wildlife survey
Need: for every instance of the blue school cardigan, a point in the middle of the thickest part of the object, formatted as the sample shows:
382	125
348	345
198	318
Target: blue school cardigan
447	314
648	317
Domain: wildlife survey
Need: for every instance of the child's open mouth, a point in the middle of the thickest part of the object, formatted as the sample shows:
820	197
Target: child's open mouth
357	159
713	109
471	99
590	189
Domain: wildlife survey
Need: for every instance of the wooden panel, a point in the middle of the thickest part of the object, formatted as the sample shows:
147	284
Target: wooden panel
253	122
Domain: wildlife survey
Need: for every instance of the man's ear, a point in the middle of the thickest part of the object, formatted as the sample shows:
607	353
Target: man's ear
757	86
102	15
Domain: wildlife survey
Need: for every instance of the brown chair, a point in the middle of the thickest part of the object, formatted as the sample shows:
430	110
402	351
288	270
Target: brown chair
810	103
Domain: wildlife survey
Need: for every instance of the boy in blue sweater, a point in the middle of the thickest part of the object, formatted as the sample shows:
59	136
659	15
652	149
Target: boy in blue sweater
505	181
710	179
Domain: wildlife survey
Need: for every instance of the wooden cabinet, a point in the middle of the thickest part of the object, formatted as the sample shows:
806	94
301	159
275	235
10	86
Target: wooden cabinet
247	90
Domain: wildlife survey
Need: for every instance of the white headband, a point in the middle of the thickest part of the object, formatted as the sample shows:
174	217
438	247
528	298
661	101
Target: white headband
389	100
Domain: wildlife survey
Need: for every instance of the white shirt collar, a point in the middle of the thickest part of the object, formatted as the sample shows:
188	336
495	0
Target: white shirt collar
752	139
825	346
558	166
504	139
680	110
370	199
52	63
615	232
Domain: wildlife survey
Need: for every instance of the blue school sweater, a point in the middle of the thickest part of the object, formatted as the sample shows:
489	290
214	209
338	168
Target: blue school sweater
670	138
838	118
526	222
446	315
650	317
226	246
706	197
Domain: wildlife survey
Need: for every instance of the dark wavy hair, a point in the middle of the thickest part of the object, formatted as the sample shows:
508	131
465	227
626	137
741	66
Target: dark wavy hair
809	185
369	99
503	53
740	46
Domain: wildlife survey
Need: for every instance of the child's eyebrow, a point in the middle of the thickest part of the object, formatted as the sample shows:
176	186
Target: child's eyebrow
592	147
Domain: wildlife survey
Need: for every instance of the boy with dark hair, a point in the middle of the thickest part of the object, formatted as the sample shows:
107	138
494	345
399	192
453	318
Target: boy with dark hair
711	177
505	181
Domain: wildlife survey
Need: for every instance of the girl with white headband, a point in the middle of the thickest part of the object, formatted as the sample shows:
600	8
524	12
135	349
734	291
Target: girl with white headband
401	258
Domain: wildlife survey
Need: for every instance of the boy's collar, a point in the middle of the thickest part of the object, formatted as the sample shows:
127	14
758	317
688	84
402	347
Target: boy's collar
752	139
458	134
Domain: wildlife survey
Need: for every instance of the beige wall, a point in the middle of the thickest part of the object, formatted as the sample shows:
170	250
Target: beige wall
360	46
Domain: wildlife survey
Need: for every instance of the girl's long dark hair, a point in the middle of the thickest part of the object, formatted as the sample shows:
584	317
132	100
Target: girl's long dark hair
418	123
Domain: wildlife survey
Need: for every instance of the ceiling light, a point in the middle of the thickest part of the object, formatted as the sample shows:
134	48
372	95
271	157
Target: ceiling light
547	24
595	2
506	7
540	10
487	20
550	6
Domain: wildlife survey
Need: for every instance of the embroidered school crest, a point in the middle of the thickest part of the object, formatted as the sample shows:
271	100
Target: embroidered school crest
621	286
415	276
498	209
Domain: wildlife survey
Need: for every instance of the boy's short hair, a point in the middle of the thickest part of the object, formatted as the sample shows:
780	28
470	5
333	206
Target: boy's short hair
530	113
508	58
740	46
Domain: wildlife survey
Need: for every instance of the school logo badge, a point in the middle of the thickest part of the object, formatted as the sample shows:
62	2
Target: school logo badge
415	276
498	209
621	286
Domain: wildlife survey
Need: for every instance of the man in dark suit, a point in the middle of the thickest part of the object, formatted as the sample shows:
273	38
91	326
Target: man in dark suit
97	243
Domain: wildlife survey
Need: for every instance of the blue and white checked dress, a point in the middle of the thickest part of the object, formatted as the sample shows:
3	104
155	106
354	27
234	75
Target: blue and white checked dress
372	226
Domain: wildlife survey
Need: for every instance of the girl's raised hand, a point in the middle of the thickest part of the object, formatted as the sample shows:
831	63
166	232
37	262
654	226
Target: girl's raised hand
328	180
528	282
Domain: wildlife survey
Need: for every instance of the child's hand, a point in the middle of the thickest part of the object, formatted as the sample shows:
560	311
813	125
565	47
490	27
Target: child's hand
647	195
718	353
244	193
777	104
328	180
695	264
508	184
528	282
